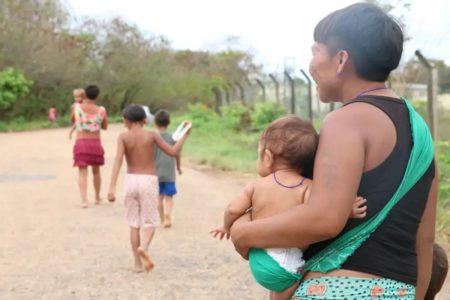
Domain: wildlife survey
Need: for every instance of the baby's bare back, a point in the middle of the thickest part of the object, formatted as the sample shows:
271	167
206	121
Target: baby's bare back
270	198
140	151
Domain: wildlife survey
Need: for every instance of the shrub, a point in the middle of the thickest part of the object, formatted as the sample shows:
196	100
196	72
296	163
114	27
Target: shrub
236	117
266	113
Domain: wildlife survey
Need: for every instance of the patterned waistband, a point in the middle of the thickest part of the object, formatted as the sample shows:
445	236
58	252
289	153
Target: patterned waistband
353	288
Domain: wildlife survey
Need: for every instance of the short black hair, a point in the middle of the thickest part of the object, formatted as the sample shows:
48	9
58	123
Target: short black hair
373	39
92	92
134	113
162	118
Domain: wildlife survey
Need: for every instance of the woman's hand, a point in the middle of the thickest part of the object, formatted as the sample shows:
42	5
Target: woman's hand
236	233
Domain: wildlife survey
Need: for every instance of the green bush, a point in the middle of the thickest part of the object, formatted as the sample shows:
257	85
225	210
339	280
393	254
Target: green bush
266	113
236	117
199	112
12	86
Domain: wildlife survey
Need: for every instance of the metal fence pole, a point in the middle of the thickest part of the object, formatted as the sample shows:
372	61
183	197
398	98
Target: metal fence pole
218	96
242	92
291	83
432	94
310	108
263	89
277	88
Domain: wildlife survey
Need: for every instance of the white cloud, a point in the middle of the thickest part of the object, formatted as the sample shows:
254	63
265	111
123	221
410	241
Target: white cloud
279	30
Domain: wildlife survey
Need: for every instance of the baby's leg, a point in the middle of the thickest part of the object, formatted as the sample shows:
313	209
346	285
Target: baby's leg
284	295
97	183
82	184
135	243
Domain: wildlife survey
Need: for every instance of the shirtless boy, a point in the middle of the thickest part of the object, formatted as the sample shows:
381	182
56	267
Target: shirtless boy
141	184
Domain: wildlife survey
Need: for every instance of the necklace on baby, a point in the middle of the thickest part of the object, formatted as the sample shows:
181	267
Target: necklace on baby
287	186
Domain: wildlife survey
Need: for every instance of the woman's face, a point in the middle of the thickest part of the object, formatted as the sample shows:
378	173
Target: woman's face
324	70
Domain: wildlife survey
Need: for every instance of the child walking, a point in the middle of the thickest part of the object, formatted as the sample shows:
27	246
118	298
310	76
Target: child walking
141	183
165	168
286	154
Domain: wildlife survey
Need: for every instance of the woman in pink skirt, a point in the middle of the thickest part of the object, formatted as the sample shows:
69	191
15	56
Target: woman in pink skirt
89	119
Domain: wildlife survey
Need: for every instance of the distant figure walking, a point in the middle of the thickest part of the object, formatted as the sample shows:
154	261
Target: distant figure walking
52	116
89	119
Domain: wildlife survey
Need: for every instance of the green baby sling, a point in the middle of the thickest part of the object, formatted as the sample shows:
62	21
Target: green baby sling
422	153
275	278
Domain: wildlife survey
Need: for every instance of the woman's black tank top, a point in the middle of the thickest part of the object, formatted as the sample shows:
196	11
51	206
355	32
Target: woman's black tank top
390	252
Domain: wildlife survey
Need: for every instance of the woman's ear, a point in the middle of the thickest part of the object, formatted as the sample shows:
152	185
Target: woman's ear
342	60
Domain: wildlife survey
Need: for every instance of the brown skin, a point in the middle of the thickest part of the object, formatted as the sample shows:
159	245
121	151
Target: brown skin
137	145
90	107
353	140
266	198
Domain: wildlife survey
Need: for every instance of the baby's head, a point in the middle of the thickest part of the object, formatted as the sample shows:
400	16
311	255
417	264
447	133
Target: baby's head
134	114
439	272
79	95
288	142
162	118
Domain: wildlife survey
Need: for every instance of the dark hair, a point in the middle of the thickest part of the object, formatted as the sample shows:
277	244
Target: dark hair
438	273
92	92
293	141
162	118
373	39
134	113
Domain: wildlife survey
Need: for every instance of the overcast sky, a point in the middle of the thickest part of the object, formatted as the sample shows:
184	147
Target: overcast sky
278	31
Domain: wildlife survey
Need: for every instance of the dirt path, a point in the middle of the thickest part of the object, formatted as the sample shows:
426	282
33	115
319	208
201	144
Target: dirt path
52	249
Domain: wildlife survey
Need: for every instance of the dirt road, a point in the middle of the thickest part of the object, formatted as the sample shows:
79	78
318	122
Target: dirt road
52	249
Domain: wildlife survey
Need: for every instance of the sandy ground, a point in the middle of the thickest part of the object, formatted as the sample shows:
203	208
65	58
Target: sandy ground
52	249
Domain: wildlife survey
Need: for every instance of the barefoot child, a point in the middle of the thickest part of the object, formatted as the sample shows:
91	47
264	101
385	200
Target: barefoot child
165	168
78	95
141	183
285	159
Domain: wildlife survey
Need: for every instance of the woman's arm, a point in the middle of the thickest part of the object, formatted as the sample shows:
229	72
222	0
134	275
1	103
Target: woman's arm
337	173
425	240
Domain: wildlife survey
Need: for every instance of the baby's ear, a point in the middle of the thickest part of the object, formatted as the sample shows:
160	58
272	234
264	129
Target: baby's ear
269	158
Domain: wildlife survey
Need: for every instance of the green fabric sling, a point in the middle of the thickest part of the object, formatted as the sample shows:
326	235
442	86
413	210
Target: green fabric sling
422	153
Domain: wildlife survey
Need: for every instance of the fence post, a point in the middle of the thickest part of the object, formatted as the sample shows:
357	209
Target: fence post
432	94
227	94
218	95
291	83
263	89
277	88
233	90
241	89
310	109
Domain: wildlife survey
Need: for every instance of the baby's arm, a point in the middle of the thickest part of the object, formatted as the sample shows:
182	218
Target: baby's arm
234	210
116	168
359	209
238	206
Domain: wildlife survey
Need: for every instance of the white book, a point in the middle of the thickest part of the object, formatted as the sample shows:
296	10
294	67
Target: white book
181	130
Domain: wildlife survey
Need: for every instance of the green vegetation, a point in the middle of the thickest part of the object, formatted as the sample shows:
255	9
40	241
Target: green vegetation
443	217
227	142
